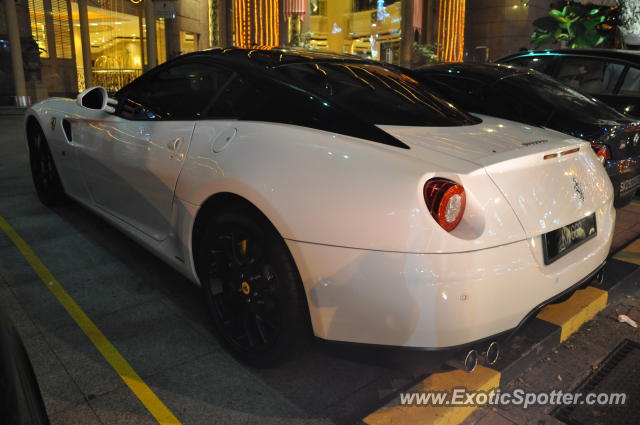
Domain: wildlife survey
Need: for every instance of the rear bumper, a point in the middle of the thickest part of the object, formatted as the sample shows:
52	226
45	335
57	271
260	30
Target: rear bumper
441	354
438	301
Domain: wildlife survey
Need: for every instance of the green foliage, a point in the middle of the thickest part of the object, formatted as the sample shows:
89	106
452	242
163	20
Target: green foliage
301	39
428	51
575	24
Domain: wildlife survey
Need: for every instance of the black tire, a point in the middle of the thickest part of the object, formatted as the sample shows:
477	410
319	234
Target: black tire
20	398
43	170
252	289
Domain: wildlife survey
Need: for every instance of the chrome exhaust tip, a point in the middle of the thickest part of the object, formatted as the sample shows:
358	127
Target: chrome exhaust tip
492	354
468	364
599	277
471	361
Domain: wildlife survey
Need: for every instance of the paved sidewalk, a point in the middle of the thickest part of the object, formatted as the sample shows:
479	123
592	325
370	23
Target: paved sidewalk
627	225
566	367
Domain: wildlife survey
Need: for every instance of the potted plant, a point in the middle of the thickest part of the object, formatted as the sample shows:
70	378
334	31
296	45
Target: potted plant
576	25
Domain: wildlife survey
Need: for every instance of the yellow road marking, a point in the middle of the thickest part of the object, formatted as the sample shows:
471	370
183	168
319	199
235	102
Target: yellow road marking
635	204
153	404
583	305
482	378
631	254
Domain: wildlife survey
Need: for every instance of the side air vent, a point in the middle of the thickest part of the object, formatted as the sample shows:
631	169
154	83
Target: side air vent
66	126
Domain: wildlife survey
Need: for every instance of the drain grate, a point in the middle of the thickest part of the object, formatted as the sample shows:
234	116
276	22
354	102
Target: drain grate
618	373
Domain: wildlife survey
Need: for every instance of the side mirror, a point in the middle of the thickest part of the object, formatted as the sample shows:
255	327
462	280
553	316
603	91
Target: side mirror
96	98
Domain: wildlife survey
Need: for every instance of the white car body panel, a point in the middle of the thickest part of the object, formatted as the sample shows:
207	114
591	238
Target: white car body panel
541	192
131	167
305	205
375	265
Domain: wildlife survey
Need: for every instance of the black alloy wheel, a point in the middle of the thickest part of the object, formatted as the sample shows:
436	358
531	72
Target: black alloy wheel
43	171
252	288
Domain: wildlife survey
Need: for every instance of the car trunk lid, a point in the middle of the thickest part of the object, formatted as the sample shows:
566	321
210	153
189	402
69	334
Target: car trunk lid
548	179
553	188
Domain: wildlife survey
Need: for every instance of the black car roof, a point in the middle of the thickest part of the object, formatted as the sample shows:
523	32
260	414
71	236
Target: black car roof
272	57
627	55
486	72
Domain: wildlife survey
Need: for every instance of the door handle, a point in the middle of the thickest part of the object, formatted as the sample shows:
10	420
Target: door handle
173	145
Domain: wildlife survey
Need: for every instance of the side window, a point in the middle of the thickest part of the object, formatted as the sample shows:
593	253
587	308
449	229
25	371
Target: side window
133	103
236	98
539	63
374	93
280	103
283	104
177	92
631	84
588	75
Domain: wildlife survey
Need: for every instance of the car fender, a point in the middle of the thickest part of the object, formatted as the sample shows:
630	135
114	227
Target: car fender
324	188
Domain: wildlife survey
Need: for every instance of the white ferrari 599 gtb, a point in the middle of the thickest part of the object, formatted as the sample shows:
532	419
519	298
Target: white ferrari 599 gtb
316	193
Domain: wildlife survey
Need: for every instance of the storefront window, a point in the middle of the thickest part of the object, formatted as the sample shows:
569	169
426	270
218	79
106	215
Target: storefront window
367	28
38	28
61	33
161	43
188	42
56	20
116	47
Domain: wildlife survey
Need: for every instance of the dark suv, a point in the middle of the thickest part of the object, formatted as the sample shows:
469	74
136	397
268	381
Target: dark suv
612	76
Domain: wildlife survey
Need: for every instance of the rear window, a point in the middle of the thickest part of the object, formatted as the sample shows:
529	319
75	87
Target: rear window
460	90
549	94
375	94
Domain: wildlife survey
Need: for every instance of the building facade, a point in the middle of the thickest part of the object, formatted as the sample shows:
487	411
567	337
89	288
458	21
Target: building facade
64	43
496	28
393	31
52	34
376	29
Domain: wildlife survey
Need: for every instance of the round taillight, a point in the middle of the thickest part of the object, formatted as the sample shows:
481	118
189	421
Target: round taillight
603	153
446	201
